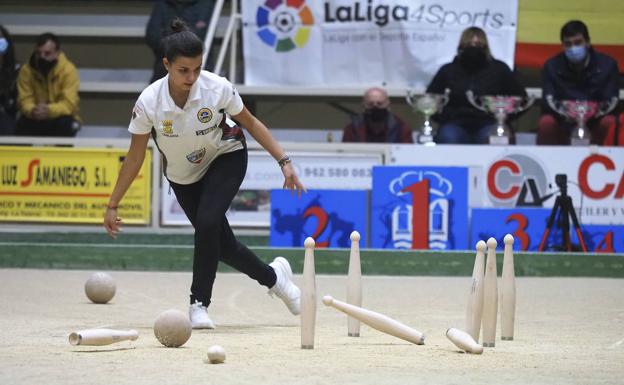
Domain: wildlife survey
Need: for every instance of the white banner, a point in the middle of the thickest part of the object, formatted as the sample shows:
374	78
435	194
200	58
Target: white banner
251	207
355	43
525	175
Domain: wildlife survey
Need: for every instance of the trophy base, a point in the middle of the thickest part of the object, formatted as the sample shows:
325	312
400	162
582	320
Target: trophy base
427	140
579	142
499	140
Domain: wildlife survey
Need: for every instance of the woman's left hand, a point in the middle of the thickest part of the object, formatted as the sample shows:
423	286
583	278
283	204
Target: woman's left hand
291	181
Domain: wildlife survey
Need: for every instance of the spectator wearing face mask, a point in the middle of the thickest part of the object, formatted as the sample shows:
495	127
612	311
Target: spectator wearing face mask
8	83
474	69
576	73
47	90
377	124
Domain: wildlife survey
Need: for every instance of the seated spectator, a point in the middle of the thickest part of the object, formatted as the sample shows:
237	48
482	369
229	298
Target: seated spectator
195	13
474	69
576	73
615	132
8	83
47	92
377	124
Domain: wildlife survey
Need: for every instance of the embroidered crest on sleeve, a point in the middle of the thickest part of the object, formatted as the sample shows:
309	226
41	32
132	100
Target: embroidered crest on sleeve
136	112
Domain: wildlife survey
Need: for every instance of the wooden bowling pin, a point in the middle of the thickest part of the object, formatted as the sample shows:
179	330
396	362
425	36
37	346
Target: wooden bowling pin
308	297
100	337
490	296
464	341
354	284
377	321
508	291
474	309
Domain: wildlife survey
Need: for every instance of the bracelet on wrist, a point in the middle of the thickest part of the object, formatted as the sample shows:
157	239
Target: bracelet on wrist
284	161
112	207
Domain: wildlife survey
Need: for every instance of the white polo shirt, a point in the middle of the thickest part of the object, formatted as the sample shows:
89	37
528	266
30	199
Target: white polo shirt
189	138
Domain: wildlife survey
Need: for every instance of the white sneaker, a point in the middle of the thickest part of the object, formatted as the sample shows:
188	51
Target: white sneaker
198	314
284	288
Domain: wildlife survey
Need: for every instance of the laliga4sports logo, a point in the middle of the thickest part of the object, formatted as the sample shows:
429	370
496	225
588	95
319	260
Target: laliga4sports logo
284	24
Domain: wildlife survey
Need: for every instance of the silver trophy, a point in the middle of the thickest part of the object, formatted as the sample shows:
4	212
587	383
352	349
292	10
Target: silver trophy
427	104
500	106
581	111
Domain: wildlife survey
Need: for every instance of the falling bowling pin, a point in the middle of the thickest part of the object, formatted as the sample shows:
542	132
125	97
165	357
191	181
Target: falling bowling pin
464	341
474	309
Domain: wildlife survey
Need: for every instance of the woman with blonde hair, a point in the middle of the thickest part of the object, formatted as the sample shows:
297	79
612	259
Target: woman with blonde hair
474	68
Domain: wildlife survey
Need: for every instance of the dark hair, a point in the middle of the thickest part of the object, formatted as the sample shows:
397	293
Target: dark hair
46	37
8	60
574	27
466	38
181	42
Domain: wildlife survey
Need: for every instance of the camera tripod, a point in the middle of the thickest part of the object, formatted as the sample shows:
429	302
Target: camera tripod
563	206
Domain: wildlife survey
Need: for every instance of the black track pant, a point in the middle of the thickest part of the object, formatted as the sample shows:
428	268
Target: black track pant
64	126
205	203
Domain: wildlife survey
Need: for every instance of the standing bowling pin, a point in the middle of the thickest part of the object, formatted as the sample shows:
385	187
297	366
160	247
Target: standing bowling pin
100	337
354	284
508	291
490	296
308	297
474	310
464	341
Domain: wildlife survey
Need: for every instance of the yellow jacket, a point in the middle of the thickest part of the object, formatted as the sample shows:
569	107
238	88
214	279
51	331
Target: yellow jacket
59	90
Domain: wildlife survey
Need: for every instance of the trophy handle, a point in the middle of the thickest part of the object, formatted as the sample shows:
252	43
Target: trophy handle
555	105
528	102
444	99
476	104
409	97
607	107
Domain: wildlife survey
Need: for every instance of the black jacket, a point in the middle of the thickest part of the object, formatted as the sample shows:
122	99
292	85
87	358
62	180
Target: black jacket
598	81
495	78
8	91
196	14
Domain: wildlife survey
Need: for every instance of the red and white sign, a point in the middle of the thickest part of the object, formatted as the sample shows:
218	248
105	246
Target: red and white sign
524	176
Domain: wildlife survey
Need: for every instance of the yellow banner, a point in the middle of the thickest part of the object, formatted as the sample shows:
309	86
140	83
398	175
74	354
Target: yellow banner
539	21
70	185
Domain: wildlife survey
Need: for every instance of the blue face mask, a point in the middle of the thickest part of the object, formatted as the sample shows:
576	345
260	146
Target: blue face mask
576	53
4	45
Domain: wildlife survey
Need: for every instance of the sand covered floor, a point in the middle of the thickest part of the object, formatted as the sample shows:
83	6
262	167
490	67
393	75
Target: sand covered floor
568	330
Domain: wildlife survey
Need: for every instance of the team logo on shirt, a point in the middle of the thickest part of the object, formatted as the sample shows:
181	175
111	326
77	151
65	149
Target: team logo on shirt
206	131
167	128
204	115
196	156
136	112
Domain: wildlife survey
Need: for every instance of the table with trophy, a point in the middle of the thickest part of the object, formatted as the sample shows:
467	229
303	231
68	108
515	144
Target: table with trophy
580	111
501	106
428	105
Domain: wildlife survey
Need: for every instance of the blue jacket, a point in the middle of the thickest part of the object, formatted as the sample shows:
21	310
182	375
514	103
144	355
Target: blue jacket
597	82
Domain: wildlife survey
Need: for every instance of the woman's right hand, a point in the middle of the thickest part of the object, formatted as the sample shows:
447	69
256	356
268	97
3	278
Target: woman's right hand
112	223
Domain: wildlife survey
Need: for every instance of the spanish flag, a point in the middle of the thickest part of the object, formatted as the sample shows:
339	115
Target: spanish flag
540	21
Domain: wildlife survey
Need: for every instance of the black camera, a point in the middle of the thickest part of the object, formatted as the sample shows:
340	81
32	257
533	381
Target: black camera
561	180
